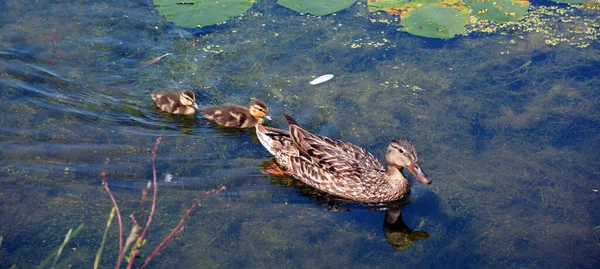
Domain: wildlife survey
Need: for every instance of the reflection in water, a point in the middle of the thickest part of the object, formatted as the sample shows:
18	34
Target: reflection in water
397	233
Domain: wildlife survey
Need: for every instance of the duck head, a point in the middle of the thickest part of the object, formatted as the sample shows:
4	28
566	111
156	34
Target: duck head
401	154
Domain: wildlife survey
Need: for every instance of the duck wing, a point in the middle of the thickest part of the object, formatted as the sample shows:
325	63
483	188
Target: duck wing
340	158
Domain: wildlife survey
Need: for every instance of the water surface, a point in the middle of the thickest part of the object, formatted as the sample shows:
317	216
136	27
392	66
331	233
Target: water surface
506	124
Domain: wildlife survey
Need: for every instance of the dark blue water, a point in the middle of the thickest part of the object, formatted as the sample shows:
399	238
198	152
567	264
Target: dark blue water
509	139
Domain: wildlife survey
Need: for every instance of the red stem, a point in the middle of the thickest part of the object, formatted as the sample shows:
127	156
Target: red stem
54	34
112	197
144	194
177	228
143	234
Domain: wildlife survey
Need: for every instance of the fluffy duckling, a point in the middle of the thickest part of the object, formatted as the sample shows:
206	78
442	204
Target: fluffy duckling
176	102
237	116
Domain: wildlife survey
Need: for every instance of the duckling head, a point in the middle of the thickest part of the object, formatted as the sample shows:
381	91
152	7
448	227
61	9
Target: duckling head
258	109
401	154
188	98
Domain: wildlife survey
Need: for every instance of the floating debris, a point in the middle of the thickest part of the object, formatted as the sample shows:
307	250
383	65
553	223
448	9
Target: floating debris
149	62
168	178
321	79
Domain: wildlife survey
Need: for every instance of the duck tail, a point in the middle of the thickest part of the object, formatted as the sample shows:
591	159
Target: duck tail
264	138
291	121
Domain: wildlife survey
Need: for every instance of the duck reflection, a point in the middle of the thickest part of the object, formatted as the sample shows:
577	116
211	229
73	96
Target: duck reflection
397	233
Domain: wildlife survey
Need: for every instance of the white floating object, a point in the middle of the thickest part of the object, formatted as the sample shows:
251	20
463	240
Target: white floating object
321	79
168	178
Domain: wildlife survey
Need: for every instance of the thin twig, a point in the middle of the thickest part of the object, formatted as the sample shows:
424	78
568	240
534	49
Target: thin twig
143	234
112	197
165	242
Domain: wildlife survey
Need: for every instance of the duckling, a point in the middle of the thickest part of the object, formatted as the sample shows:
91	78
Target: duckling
176	102
237	116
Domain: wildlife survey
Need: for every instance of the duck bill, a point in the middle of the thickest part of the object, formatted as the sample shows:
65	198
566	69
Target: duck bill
196	106
268	117
419	174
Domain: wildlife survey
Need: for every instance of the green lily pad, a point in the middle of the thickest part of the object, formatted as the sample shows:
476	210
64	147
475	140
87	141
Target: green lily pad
390	6
435	21
398	7
197	13
316	7
499	10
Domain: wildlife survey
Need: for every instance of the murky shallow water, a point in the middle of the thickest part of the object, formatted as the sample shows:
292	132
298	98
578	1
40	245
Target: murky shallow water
511	145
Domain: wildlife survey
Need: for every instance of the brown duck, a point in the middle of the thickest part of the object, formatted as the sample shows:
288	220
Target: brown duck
237	116
175	102
341	168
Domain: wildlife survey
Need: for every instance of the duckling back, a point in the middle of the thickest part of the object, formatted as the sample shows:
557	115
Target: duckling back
171	101
230	116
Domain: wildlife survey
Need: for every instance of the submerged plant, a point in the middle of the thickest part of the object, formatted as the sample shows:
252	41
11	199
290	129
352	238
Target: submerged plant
56	254
137	233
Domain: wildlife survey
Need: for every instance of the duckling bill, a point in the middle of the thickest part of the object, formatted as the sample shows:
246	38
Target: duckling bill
237	116
175	102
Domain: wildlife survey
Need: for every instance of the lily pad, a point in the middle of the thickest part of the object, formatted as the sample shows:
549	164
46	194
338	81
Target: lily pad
398	7
197	13
316	7
390	6
435	21
499	10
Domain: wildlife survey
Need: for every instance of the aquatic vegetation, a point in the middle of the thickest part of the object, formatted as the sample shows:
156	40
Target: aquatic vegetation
56	254
138	234
552	25
435	21
447	18
499	10
430	18
198	13
316	7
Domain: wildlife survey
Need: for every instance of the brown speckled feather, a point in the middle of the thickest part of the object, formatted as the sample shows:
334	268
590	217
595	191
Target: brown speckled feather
334	166
169	101
230	115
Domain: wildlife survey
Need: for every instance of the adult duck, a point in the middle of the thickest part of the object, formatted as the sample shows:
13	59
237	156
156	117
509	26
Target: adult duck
342	168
